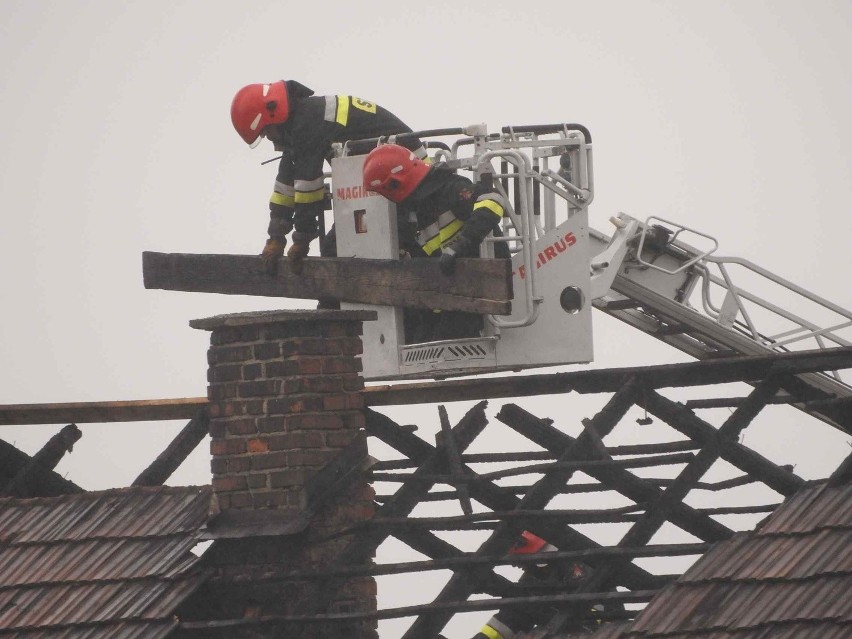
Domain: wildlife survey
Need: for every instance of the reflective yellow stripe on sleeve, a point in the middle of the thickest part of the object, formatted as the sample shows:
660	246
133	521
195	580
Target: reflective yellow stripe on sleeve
342	110
283	200
491	205
489	632
309	197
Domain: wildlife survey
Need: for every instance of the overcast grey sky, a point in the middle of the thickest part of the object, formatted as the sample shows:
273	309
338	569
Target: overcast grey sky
728	116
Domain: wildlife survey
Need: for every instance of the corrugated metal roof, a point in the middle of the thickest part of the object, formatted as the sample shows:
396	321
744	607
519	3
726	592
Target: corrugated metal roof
115	563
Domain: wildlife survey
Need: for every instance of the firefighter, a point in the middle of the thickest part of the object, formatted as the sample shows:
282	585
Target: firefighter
303	127
448	216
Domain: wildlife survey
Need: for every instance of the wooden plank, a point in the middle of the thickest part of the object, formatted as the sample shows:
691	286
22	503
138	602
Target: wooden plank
478	285
101	412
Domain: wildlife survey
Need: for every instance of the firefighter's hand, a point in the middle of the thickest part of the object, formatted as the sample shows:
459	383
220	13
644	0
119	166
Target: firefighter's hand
447	261
296	256
271	252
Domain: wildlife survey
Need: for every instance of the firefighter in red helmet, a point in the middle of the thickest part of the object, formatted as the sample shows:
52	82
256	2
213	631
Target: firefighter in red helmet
450	214
303	127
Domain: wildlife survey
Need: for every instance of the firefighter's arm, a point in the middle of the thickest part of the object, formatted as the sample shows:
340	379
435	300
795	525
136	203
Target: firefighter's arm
488	211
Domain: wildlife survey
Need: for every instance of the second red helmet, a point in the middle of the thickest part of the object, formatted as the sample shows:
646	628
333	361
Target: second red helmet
393	171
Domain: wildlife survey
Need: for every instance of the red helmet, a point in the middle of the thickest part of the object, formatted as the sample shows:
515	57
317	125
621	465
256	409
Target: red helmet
530	544
256	106
393	171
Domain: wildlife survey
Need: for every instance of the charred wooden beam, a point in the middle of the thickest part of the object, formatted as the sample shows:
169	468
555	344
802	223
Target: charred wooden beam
484	458
650	461
176	452
498	498
684	420
101	412
48	483
478	286
447	442
626	483
721	371
458	587
26	481
453	559
450	607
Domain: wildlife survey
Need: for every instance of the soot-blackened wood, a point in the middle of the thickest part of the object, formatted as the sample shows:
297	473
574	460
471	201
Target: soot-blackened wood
176	452
538	496
478	285
498	498
684	420
26	481
628	484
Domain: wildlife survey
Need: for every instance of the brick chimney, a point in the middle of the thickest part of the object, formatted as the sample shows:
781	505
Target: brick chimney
285	401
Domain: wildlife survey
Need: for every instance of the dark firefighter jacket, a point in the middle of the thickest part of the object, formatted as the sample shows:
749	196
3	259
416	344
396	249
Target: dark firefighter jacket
446	205
313	125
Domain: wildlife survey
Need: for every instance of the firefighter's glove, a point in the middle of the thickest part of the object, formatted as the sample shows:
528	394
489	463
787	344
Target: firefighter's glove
271	252
450	253
296	256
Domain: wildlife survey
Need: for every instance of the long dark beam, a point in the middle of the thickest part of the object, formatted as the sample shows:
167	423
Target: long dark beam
609	380
478	286
142	410
450	607
50	483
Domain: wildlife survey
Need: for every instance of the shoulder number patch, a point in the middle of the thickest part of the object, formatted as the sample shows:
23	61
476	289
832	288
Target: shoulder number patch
358	103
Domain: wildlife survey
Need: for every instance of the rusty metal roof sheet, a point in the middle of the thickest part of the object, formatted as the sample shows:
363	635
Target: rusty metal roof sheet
115	563
790	579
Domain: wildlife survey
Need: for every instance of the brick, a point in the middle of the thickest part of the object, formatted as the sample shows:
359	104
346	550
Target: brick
272	424
287	478
258	480
227	446
225	409
307	457
267	350
314	421
219	392
341	365
230	483
265	461
228	354
234	334
257	445
254	407
294	404
224	373
335	402
262	388
240	426
252	371
222	465
271	499
290	441
237	501
303	346
309	365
